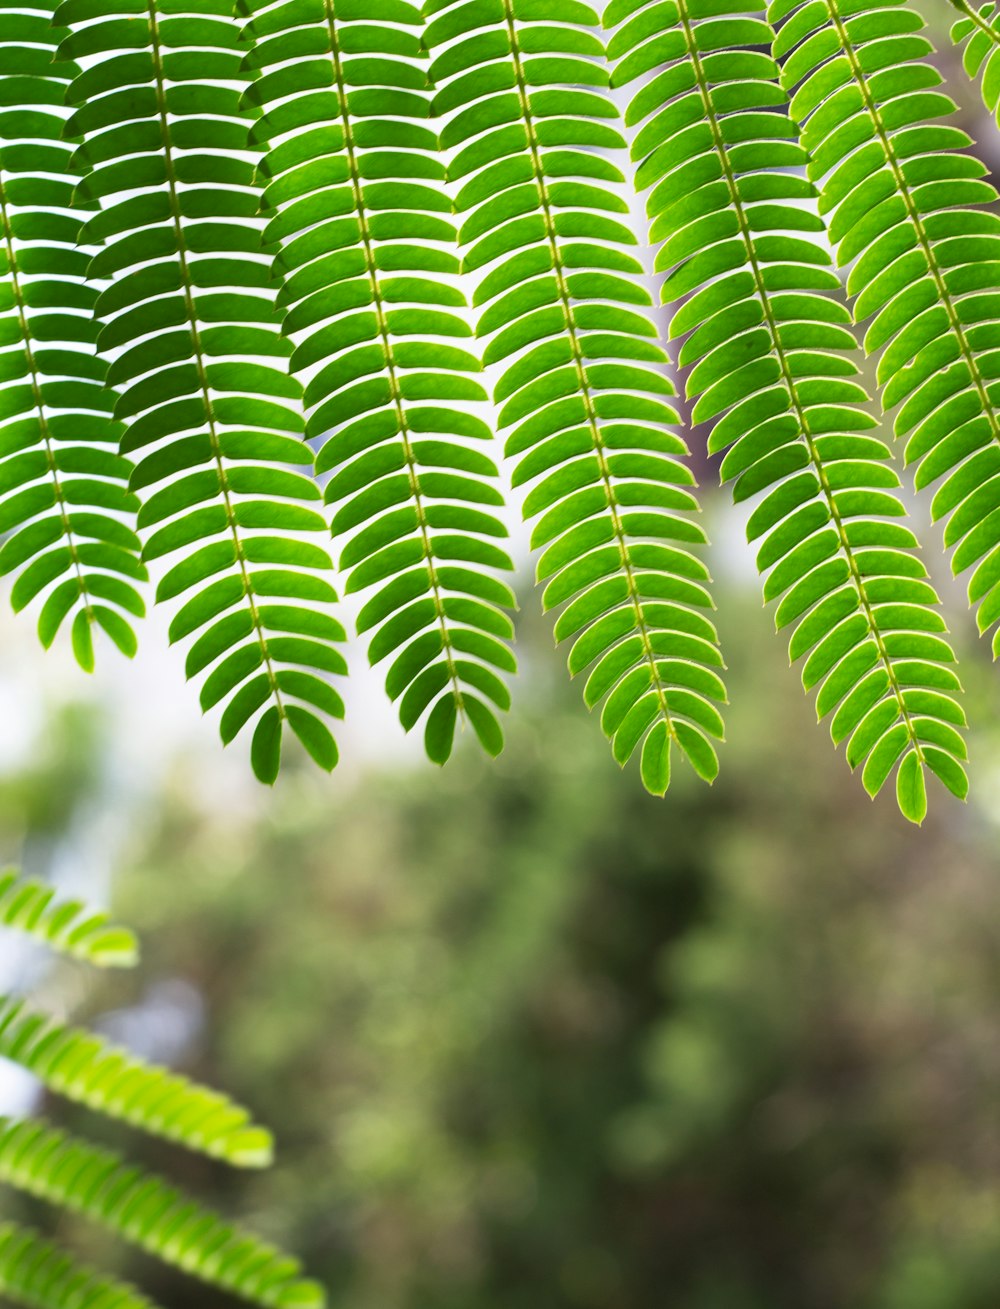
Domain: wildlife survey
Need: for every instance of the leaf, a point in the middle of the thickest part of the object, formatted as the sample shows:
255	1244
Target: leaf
579	380
769	363
314	735
204	387
45	283
69	1172
265	748
83	641
936	344
439	732
485	724
66	926
910	788
79	1065
656	760
36	1273
76	1177
374	219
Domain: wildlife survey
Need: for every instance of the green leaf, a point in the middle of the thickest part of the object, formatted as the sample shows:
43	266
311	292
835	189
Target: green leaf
656	759
202	379
911	792
89	1070
83	641
348	219
485	724
265	748
314	735
557	325
36	1273
769	361
145	1209
439	732
66	926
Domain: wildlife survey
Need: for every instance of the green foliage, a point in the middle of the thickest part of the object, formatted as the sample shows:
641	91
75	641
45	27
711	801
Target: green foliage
143	1208
215	427
980	32
771	361
582	384
583	1045
291	210
355	193
85	1067
71	1174
65	509
39	1275
925	276
67	926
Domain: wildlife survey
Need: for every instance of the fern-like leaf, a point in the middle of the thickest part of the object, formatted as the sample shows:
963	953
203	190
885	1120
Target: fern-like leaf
37	1274
67	926
771	365
63	1170
368	258
145	1209
202	368
582	386
90	1070
65	509
926	260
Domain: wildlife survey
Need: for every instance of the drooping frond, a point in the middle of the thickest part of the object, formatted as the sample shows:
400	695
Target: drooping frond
67	926
770	356
582	390
202	368
90	1070
65	1171
145	1209
926	261
368	257
39	1275
980	30
65	511
269	231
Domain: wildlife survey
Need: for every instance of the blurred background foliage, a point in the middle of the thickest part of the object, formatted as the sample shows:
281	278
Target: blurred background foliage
530	1038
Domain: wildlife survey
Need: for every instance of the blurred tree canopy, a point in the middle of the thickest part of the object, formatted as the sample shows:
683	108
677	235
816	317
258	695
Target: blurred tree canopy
532	1039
